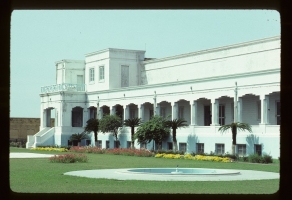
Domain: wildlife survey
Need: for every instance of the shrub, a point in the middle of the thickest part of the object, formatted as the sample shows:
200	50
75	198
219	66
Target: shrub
50	149
115	151
267	159
68	158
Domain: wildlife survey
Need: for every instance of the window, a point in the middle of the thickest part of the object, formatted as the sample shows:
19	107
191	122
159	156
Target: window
258	149
128	144
91	74
132	113
219	148
183	147
259	109
169	145
117	144
241	149
162	112
143	145
99	144
158	145
200	147
77	117
221	114
107	144
101	73
181	112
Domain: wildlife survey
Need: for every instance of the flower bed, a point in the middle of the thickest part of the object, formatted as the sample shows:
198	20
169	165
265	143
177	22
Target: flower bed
197	157
68	158
115	151
50	149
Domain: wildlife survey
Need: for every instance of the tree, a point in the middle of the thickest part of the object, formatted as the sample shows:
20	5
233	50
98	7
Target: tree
234	126
92	125
175	124
78	137
153	130
111	123
132	123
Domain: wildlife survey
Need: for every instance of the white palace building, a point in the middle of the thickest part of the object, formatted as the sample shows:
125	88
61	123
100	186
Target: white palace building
207	88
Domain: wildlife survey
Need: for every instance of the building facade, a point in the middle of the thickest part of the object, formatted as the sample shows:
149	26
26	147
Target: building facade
207	88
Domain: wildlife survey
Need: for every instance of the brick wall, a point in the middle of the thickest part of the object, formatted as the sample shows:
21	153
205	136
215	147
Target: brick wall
21	127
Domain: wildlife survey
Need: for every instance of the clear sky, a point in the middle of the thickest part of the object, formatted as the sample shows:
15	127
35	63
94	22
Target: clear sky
39	38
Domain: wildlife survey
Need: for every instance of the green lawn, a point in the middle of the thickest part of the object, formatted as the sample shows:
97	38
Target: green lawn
38	175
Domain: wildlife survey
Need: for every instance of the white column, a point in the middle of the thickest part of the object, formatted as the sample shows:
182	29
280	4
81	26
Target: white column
113	110
126	112
154	104
100	113
267	109
85	116
194	106
44	118
141	111
97	109
215	108
239	109
158	109
263	113
174	110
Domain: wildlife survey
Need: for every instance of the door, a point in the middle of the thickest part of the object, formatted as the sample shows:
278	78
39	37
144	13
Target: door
221	114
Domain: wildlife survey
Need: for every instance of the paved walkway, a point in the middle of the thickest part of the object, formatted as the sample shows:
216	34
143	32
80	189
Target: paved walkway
29	155
123	174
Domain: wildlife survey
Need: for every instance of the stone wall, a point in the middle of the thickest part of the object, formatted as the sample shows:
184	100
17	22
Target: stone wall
21	127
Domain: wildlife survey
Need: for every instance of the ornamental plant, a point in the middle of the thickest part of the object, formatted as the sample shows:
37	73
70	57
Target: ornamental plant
50	149
197	157
68	158
115	151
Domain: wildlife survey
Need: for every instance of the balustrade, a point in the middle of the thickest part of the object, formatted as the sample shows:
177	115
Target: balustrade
63	87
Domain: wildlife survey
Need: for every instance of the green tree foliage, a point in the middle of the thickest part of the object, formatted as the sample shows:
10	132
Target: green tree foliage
132	123
92	125
110	123
234	126
175	124
155	129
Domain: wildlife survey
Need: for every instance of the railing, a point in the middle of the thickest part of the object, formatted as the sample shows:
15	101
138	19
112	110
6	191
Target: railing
63	87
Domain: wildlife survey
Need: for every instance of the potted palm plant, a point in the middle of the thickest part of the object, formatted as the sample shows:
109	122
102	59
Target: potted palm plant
78	137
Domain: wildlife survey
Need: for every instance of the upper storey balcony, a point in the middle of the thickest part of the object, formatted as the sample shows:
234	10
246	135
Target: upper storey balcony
63	87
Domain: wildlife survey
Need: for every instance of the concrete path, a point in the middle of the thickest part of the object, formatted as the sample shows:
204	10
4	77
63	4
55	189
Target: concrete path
29	155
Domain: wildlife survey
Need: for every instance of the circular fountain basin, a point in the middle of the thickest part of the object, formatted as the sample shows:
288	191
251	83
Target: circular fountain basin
180	171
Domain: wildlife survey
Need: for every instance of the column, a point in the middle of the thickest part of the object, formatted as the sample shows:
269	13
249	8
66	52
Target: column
97	109
174	110
113	110
44	118
48	117
158	109
141	111
239	109
194	106
100	113
215	108
263	105
126	112
85	116
264	109
267	109
154	104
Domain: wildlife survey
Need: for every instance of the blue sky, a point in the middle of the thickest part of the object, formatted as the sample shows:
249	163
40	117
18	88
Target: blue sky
39	38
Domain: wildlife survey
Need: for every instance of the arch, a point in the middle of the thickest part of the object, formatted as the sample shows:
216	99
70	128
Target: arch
77	116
